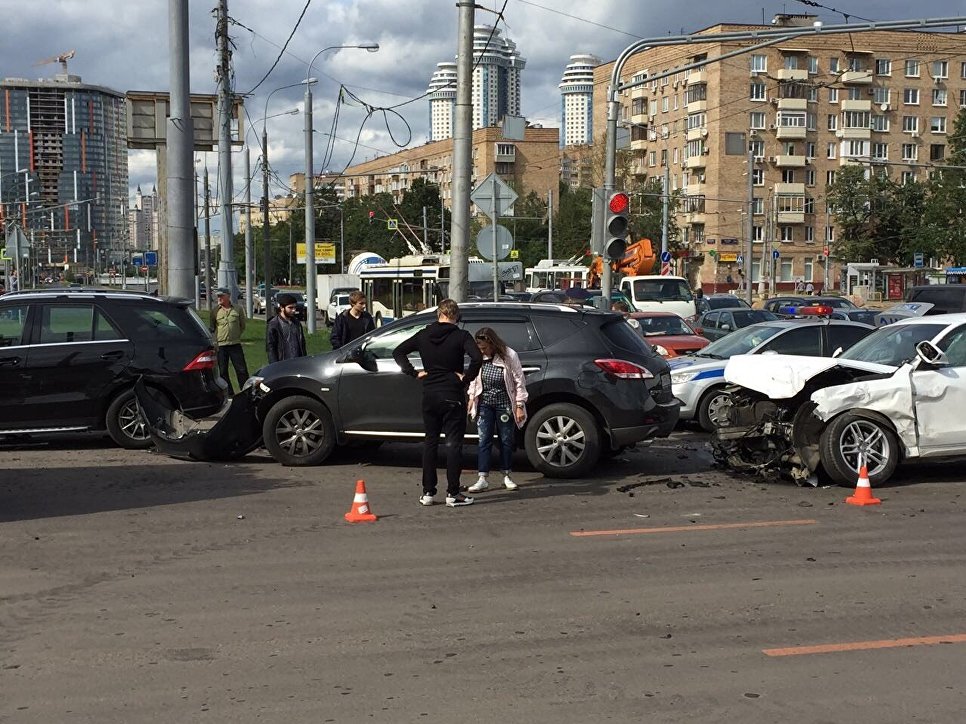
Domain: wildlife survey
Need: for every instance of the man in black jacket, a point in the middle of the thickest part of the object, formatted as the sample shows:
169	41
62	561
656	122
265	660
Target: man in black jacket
441	347
353	322
284	335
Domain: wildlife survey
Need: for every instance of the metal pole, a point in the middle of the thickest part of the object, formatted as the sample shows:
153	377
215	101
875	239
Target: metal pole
826	244
550	224
462	155
665	204
180	155
610	157
266	241
493	219
249	239
749	246
442	221
226	267
341	241
310	293
209	292
425	230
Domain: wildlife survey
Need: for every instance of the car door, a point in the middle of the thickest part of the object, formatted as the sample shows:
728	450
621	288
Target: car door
77	360
939	396
384	400
14	351
726	323
709	326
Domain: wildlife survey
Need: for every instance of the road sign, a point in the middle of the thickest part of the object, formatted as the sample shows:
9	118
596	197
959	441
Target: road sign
324	252
514	254
392	224
740	259
504	242
665	269
151	258
137	259
665	256
918	260
775	254
483	195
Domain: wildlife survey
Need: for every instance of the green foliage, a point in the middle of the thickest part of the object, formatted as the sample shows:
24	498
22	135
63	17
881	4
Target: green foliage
571	232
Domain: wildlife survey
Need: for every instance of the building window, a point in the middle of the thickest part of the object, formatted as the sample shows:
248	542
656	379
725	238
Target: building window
833	121
937	151
664	157
833	95
812	64
939	96
880	123
759	63
791	119
810	149
856	119
757	206
786	233
696	93
788	175
811	121
880	95
910	152
880	151
940	69
809	235
883	66
790	204
652	158
758	177
694	148
910	124
812	95
910	96
757	149
810	177
831	150
912	68
833	65
638	106
809	205
855	149
907	177
757	233
829	234
790	62
758	92
788	148
937	124
829	178
696	120
756	120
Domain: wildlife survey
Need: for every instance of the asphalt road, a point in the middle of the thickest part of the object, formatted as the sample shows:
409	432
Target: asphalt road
135	588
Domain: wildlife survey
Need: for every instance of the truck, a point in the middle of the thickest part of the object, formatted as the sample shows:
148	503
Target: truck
328	285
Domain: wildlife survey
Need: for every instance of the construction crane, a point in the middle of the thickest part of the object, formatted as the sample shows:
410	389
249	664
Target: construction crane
62	59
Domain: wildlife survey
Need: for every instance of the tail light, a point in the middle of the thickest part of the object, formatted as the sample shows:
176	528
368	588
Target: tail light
623	369
204	361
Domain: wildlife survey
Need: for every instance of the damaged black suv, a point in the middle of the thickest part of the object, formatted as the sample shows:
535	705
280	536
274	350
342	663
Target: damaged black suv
594	388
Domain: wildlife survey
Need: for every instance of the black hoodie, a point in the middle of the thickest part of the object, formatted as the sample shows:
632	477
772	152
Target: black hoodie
441	346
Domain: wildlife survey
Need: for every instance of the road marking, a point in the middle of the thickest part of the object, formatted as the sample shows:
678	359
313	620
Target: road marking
682	528
866	645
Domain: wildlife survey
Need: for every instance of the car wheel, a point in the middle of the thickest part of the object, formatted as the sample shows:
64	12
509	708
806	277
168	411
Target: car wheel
125	424
298	431
847	437
562	441
709	406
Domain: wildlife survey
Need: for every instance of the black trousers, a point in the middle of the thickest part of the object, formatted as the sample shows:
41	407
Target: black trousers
236	355
444	413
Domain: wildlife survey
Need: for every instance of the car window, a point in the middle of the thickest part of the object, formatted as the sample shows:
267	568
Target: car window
844	336
710	320
752	316
63	324
892	345
727	318
740	342
797	340
552	328
663	325
945	297
13	319
382	345
624	336
517	333
954	345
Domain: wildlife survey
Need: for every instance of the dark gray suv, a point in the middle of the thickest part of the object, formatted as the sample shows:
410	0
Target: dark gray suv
595	388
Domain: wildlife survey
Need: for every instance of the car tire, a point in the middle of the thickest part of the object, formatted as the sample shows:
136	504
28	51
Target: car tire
708	407
125	424
298	431
562	441
842	439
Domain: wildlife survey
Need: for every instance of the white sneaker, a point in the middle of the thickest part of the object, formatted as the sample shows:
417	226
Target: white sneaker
479	486
426	500
458	500
508	484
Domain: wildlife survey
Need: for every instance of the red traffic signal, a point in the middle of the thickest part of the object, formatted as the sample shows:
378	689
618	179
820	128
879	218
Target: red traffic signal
372	216
618	203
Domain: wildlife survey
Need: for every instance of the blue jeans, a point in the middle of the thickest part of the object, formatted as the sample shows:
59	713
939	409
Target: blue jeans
487	418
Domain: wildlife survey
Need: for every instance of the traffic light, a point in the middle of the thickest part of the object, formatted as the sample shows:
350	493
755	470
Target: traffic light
616	225
372	216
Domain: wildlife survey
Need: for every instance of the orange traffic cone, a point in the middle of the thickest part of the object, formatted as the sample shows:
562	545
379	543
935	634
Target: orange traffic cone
360	512
863	490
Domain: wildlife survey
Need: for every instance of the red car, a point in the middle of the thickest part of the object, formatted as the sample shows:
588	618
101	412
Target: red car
668	333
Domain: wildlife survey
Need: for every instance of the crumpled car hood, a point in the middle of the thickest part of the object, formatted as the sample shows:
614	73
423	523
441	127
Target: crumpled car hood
782	376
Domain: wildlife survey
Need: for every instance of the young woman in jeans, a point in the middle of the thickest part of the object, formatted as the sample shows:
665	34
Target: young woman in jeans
498	398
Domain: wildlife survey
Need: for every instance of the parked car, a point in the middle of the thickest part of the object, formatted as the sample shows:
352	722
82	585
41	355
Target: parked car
698	380
719	301
301	310
944	298
670	335
715	325
895	395
788	305
71	357
338	304
594	388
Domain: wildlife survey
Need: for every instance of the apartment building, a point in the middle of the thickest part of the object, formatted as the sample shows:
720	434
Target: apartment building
577	100
808	106
532	164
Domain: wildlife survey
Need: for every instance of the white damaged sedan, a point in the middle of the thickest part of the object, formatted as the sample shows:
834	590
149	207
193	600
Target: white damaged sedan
899	394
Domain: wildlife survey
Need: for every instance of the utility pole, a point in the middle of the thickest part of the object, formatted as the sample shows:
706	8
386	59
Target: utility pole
180	156
209	292
749	243
665	205
462	155
550	223
425	232
249	239
226	267
266	241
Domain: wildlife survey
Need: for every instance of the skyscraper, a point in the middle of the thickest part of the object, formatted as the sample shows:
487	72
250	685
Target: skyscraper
496	84
577	100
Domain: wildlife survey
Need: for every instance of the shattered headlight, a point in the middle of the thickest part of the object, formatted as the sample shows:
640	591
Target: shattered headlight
256	382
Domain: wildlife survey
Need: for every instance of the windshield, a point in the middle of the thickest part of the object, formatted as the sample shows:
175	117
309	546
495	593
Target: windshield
892	345
652	326
661	290
741	341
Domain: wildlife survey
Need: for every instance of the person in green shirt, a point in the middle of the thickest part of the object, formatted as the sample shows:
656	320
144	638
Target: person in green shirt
229	323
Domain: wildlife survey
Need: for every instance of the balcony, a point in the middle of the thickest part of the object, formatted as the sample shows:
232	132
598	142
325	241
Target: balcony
792	104
696	134
699	161
787	161
695	217
859	134
505	154
791	74
856	105
790	190
790	133
791	217
859	77
698	76
697	106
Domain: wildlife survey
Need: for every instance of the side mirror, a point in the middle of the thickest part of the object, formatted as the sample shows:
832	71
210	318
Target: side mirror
364	358
931	354
837	352
726	327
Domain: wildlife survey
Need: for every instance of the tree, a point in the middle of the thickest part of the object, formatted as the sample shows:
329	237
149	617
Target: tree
945	213
572	227
423	195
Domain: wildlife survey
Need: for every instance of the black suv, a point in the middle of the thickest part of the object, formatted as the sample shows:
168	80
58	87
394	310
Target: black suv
69	359
595	387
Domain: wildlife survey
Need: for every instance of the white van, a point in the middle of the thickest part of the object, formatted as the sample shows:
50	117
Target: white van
655	293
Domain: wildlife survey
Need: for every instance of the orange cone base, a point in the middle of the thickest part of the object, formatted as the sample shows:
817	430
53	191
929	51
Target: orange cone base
360	512
361	516
862	498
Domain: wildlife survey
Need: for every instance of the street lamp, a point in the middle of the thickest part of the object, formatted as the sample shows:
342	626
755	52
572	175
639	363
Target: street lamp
310	269
267	251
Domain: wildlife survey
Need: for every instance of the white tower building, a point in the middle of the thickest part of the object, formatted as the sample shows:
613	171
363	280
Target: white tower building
496	84
577	100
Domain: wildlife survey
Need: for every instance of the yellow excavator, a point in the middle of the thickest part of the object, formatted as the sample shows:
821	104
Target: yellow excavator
638	260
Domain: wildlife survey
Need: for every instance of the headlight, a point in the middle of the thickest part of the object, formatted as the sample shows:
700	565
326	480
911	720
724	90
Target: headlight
255	381
678	378
661	350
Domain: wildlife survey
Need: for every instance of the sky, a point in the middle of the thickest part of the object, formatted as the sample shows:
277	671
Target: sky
123	45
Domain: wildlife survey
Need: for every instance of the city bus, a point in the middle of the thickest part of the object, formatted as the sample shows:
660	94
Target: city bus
557	274
410	284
